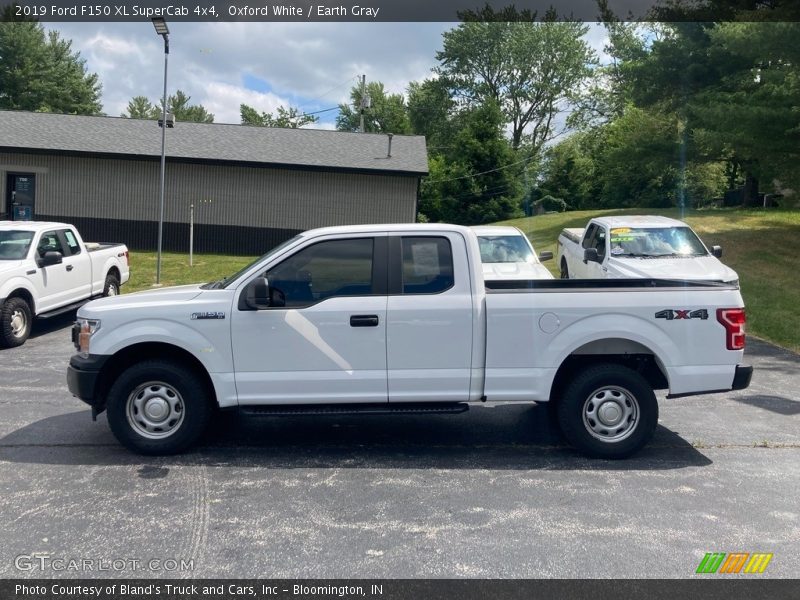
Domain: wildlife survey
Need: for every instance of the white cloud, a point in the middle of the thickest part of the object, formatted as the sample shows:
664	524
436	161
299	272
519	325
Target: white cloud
223	100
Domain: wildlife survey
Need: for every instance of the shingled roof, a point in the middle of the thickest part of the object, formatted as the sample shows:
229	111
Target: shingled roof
315	148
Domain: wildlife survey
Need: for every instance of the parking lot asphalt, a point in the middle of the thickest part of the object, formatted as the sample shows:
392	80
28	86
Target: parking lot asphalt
490	493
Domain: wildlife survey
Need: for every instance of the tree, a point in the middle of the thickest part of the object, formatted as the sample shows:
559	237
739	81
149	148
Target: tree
386	113
41	72
286	117
475	180
534	71
140	107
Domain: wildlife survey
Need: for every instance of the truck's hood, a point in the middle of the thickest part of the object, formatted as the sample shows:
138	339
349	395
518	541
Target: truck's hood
169	295
498	271
695	267
7	266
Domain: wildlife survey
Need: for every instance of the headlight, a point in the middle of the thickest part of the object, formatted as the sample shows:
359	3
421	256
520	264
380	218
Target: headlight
86	328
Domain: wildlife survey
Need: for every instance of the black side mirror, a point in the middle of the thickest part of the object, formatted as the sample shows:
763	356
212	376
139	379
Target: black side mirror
50	258
716	251
547	255
256	295
590	255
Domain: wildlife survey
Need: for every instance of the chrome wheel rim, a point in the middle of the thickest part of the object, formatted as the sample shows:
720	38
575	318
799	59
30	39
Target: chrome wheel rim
155	410
610	414
19	323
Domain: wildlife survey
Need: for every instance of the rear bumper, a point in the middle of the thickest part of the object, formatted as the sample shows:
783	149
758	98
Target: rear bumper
741	380
83	375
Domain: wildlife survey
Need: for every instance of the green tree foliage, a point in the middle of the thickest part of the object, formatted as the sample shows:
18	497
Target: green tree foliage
39	71
387	113
179	105
533	71
290	117
475	180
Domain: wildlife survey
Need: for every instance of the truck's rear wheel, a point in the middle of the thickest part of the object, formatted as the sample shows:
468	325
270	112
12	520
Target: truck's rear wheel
111	286
608	411
564	269
15	322
158	407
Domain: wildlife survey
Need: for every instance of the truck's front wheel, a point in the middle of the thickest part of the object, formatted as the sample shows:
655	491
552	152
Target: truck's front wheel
15	322
158	407
608	411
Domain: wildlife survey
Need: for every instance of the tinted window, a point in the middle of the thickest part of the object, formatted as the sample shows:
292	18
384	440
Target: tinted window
324	270
72	243
599	241
49	243
427	265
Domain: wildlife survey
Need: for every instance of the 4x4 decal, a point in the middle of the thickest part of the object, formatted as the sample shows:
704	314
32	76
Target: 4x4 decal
672	314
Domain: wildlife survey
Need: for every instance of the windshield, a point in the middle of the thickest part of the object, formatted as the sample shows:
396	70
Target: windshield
655	242
14	244
505	249
231	278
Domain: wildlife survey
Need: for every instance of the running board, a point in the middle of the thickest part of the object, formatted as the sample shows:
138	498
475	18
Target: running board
65	309
401	408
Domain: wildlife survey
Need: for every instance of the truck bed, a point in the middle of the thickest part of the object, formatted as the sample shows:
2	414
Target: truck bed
574	234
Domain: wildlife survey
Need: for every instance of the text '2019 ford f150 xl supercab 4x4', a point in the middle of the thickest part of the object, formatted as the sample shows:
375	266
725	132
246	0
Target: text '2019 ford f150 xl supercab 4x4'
396	319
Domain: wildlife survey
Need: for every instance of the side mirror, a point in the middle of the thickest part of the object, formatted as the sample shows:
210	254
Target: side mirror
590	255
51	258
256	295
716	251
547	255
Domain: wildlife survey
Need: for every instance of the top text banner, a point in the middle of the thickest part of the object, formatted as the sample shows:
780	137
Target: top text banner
369	10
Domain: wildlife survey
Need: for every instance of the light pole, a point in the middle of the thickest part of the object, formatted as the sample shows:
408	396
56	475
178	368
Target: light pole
161	29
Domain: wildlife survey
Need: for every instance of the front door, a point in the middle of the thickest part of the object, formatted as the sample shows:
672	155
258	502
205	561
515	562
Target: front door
323	340
20	196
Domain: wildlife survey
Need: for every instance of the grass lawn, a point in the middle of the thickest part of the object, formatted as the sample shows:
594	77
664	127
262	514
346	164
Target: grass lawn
758	244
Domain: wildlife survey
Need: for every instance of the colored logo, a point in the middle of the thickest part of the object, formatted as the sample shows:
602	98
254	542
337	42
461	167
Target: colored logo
734	562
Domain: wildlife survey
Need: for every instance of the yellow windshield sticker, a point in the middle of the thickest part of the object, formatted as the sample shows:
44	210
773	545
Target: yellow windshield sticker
618	230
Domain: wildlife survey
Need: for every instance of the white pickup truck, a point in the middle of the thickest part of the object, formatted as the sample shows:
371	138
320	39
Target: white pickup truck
46	269
639	246
397	319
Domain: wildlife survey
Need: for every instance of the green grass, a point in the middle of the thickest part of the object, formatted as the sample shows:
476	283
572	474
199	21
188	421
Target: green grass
758	244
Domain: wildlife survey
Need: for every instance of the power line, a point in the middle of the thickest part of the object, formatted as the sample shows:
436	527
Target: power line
519	162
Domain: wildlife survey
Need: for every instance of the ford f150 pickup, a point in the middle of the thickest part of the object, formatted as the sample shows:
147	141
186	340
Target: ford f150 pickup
639	246
506	253
46	269
397	319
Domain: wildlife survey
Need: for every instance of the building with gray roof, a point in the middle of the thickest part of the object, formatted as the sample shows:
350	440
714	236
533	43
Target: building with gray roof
251	187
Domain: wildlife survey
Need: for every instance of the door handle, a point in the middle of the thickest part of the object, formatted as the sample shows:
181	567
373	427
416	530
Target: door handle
70	267
364	321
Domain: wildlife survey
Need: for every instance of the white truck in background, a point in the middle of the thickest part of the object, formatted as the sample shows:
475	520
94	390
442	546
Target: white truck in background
47	269
507	253
639	246
397	319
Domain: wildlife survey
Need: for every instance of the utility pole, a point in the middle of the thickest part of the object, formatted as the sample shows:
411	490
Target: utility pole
363	103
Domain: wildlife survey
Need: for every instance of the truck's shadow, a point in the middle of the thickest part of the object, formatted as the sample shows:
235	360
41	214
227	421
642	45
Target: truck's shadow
500	438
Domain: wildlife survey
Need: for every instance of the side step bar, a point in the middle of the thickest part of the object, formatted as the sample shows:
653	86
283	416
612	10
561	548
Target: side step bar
404	408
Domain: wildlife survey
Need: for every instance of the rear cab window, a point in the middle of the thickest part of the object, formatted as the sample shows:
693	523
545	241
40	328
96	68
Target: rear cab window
427	265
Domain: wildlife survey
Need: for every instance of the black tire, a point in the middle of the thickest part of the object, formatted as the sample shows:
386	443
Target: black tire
616	393
155	384
15	322
564	269
111	285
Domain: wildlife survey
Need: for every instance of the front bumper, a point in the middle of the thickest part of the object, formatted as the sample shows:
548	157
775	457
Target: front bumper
83	375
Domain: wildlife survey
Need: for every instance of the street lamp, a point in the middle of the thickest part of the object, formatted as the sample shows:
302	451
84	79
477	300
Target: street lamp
161	29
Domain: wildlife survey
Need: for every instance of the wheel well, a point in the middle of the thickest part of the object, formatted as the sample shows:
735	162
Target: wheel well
25	295
131	355
644	363
113	271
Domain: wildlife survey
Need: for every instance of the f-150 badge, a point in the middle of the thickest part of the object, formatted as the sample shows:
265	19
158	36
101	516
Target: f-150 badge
208	315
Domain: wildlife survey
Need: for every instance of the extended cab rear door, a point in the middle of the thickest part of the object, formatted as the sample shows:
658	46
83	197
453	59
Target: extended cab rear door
429	320
323	339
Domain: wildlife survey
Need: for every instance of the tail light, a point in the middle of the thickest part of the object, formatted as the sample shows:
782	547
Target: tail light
733	320
127	260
